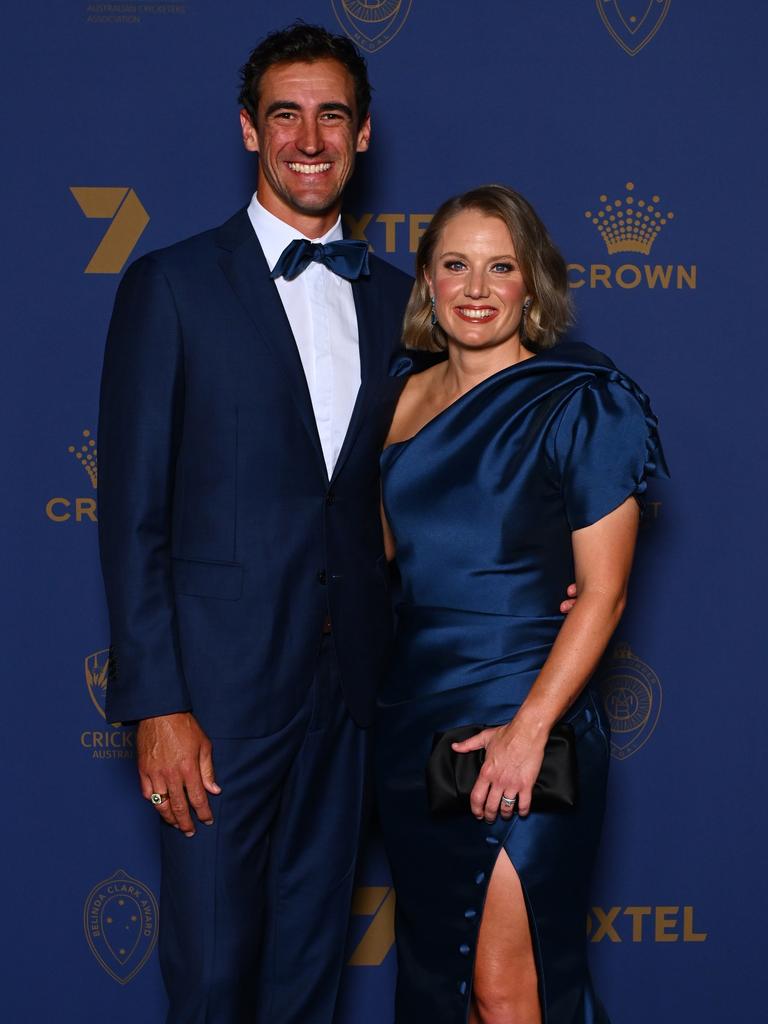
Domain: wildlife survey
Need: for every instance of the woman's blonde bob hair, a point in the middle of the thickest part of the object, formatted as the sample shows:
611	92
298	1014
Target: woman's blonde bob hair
542	266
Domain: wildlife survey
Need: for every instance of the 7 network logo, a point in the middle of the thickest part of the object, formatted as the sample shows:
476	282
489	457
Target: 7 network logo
127	220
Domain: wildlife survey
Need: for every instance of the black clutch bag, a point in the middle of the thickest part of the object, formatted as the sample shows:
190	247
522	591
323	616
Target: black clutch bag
451	776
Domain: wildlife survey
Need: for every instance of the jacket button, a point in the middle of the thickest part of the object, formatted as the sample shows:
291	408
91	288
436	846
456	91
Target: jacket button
330	498
321	577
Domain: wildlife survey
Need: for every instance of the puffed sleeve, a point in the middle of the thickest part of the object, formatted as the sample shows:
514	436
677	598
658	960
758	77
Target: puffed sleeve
606	446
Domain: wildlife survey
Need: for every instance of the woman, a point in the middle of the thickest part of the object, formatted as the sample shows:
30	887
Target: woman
510	466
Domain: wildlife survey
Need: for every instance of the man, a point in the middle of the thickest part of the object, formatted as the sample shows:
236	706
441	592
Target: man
245	399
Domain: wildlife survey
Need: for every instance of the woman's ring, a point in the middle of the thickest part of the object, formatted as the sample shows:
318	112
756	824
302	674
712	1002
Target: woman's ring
509	801
158	798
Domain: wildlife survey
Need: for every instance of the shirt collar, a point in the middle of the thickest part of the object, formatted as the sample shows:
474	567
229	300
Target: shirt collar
274	234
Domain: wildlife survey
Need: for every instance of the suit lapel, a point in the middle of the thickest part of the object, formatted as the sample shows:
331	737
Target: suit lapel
246	269
372	357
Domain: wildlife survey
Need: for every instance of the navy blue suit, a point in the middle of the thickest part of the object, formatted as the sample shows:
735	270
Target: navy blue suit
225	549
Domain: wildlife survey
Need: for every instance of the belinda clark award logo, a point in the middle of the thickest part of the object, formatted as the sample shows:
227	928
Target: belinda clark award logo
120	918
371	24
633	23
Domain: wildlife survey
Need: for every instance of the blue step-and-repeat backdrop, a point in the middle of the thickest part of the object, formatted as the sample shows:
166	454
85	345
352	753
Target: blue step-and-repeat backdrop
636	127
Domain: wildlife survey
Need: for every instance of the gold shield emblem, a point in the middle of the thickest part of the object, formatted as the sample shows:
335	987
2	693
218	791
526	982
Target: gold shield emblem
631	694
120	918
96	676
371	24
633	23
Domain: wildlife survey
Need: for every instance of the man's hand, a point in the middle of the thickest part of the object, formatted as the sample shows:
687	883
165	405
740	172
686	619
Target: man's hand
174	757
572	593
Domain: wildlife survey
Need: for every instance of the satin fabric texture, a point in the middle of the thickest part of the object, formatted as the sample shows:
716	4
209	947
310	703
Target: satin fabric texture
482	502
347	259
451	776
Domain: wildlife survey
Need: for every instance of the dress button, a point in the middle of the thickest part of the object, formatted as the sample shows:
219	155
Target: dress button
479	878
463	987
321	577
464	949
492	840
469	914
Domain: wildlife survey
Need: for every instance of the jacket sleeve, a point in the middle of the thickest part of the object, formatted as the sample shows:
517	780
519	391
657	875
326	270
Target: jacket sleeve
140	423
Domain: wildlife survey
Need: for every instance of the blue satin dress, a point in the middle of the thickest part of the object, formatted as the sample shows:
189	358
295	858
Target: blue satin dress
482	502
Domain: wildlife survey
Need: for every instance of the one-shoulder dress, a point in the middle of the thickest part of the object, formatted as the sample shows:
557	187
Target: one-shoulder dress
482	502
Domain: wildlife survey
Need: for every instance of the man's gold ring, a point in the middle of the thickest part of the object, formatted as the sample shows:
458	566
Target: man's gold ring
158	798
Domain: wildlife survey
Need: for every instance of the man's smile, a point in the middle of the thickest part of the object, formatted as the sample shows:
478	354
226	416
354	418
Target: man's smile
302	168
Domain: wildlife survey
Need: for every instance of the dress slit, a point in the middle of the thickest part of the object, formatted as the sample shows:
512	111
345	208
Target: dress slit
532	929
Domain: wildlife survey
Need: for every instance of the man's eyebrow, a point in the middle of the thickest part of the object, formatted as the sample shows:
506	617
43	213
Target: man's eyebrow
337	106
292	105
281	105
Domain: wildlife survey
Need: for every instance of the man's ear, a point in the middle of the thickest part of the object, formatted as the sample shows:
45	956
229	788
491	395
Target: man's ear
364	135
250	136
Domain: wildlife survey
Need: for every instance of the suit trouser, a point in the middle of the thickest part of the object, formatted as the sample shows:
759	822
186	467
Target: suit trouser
255	908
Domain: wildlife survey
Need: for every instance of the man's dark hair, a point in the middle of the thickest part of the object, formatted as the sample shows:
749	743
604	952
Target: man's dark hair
301	42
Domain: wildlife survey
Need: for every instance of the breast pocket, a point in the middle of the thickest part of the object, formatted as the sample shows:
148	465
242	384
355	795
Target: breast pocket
222	580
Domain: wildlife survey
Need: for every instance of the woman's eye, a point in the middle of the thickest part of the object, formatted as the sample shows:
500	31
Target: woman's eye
503	268
453	265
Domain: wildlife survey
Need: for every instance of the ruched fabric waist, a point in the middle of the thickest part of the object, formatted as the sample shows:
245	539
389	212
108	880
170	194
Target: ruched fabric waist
439	649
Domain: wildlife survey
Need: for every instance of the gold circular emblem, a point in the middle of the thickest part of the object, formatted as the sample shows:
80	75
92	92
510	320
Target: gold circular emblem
628	703
631	694
376	10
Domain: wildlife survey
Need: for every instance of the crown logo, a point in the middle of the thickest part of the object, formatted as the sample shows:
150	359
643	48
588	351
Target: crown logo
87	456
629	224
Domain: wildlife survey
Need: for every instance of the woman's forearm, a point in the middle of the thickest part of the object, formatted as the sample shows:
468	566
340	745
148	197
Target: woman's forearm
575	654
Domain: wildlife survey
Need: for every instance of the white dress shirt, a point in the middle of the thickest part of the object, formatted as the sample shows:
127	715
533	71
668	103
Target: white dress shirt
321	311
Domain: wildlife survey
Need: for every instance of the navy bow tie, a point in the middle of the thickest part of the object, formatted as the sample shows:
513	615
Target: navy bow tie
347	259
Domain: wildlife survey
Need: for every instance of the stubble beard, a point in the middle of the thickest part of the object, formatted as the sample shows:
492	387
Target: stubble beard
307	207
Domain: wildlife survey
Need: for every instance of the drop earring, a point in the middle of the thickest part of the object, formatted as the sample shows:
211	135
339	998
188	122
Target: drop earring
526	307
433	314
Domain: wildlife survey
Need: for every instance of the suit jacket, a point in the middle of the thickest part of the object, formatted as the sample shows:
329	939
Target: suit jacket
224	545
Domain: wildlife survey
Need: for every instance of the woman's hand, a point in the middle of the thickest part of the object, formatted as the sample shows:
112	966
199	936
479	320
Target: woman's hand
512	765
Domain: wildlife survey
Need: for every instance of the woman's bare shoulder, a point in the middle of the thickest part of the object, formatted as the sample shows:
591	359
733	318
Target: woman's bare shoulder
410	408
